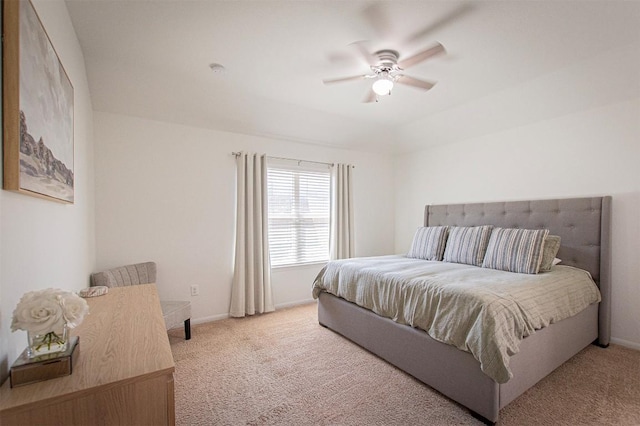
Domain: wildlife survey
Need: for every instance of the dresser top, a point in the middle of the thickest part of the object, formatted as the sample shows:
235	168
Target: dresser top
123	337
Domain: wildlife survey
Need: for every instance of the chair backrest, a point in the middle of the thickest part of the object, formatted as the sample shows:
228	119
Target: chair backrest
140	273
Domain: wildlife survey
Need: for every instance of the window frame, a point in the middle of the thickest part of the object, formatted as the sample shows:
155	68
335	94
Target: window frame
297	257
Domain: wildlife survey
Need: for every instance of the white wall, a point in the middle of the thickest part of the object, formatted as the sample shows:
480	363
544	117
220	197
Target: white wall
589	153
166	192
45	243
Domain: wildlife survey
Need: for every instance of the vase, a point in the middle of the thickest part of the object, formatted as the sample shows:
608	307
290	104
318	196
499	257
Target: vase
47	343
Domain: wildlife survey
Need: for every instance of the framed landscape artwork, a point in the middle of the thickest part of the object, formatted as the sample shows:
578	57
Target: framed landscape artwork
37	109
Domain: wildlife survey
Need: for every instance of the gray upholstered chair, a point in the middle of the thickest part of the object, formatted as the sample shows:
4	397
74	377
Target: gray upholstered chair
175	312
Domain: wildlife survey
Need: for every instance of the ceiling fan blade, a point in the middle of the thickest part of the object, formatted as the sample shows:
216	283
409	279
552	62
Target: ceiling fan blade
377	17
443	21
342	79
371	97
422	56
420	84
341	58
364	52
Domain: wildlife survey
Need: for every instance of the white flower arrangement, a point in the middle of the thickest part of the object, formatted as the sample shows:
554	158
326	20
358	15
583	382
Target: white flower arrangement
42	311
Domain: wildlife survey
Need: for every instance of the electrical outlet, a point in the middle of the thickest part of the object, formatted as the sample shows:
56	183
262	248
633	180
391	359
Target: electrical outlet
195	290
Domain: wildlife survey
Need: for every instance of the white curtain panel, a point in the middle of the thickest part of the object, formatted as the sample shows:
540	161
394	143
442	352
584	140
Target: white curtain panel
342	227
251	291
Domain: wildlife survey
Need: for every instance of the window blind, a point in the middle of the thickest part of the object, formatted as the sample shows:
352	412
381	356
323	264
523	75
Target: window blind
299	210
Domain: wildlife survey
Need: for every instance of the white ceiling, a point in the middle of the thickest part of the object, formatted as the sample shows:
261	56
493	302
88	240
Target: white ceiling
151	59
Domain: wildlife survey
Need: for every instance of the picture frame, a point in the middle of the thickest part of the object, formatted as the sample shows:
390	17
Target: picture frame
37	109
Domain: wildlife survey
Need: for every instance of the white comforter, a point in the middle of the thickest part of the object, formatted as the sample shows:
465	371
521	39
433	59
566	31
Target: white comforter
478	310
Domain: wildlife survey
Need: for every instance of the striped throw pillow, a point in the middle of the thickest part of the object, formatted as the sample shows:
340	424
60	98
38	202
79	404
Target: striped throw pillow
467	244
429	242
515	250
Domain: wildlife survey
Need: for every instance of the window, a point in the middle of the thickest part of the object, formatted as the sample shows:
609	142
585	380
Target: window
299	210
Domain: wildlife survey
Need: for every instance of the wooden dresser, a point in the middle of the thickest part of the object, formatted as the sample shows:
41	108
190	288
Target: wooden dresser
123	375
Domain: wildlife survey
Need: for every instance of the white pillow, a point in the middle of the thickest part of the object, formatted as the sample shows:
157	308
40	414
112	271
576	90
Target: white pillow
549	250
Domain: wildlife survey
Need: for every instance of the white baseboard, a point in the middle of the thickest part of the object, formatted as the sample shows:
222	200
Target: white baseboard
290	304
225	316
626	343
209	319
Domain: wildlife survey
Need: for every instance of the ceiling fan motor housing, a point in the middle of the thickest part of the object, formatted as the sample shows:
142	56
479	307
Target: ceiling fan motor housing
388	58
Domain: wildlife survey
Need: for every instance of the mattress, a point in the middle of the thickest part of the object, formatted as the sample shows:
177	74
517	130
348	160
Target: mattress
482	311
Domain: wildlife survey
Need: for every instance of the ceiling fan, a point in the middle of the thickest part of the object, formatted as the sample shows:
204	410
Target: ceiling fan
387	69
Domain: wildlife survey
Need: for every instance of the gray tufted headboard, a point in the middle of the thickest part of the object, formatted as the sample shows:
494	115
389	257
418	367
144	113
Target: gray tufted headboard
584	225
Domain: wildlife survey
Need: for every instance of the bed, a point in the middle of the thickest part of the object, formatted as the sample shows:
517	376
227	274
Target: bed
584	227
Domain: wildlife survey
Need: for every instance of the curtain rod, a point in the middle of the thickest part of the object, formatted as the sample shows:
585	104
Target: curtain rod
292	159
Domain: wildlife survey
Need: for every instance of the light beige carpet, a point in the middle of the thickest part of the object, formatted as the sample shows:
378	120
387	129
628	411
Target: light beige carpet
283	368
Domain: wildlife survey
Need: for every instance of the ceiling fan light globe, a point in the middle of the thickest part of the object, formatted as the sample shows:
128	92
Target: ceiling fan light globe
382	86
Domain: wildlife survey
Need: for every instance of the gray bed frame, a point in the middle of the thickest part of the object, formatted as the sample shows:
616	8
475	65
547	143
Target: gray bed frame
583	224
